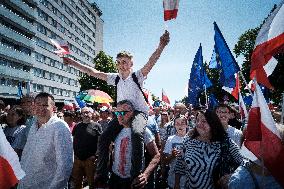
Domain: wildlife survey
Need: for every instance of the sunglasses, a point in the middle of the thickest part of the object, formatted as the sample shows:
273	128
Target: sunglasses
121	113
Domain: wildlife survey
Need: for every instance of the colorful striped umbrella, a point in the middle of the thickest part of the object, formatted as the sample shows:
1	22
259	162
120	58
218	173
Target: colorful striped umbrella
93	95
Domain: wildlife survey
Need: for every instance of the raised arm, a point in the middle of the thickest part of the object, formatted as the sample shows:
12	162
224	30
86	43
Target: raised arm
88	70
164	40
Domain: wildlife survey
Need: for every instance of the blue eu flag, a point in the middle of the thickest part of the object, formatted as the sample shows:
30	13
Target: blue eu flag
198	78
226	62
213	102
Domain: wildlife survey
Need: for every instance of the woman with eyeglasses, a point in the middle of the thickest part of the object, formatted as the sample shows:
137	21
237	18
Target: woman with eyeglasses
203	153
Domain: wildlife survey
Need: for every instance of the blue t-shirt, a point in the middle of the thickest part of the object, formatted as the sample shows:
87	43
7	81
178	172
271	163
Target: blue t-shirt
152	125
241	178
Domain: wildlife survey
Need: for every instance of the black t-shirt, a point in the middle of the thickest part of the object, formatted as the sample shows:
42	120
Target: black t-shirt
85	139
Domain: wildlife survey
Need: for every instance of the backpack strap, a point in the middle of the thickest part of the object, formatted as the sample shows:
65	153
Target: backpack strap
116	82
135	79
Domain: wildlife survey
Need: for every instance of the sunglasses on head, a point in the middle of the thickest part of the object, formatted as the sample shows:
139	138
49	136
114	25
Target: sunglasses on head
122	113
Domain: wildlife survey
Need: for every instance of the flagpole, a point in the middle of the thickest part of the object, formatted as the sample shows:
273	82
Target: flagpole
206	100
241	73
282	114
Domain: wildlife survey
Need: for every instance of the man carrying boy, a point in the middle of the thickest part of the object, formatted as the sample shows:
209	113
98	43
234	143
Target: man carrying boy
127	89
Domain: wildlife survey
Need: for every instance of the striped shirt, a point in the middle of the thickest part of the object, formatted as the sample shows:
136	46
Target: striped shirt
199	159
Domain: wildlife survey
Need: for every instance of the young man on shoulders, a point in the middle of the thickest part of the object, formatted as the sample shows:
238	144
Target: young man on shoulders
127	89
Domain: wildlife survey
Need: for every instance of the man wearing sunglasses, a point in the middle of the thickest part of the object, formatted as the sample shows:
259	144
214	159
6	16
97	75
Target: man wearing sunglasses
127	89
121	176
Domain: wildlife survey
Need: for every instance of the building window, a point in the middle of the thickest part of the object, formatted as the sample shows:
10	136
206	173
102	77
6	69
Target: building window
3	81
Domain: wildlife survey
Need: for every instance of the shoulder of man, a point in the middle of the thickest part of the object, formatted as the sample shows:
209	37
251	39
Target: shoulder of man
94	128
59	124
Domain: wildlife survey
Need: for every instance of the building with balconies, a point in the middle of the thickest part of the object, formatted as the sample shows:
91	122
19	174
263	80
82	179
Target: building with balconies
27	58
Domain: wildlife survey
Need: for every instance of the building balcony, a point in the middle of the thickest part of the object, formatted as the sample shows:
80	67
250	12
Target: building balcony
16	55
24	7
16	37
17	19
10	91
15	73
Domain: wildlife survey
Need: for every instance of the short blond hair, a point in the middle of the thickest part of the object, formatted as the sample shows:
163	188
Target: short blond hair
124	54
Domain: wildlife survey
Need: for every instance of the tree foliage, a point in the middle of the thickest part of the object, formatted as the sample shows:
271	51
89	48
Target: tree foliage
105	64
244	47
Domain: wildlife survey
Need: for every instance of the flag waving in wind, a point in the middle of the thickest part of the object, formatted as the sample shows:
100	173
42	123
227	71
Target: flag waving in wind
262	137
198	78
165	98
226	62
234	91
170	9
10	168
269	42
62	48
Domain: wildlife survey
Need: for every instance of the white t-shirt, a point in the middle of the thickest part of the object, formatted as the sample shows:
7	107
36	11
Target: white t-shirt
174	141
235	134
123	150
128	90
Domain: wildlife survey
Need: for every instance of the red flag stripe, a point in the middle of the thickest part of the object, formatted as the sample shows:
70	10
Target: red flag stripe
7	177
262	54
235	91
170	14
270	148
262	137
170	9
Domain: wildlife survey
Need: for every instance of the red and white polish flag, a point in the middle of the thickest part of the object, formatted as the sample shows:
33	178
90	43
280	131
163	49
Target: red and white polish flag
10	168
269	42
165	98
170	9
62	48
262	137
234	91
148	95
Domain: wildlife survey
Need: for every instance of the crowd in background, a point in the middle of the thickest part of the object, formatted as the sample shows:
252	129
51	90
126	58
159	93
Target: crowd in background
196	147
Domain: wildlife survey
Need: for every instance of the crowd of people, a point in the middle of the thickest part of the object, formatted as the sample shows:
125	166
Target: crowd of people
130	145
184	147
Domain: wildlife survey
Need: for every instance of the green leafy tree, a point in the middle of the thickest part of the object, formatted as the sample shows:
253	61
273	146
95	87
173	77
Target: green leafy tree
244	47
105	64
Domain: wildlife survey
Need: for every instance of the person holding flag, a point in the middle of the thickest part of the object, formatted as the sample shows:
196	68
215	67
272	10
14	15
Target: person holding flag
129	87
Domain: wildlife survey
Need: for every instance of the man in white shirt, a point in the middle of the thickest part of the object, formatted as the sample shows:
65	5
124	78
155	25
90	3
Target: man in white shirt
121	168
47	157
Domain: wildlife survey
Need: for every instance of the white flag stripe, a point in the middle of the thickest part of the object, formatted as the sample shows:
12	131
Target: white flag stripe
272	27
270	66
248	154
171	4
266	117
7	152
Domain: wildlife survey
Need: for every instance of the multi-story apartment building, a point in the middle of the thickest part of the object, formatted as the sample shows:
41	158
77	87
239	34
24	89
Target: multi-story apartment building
27	57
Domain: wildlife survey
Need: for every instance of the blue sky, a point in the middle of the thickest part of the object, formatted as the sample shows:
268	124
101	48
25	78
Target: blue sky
136	26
